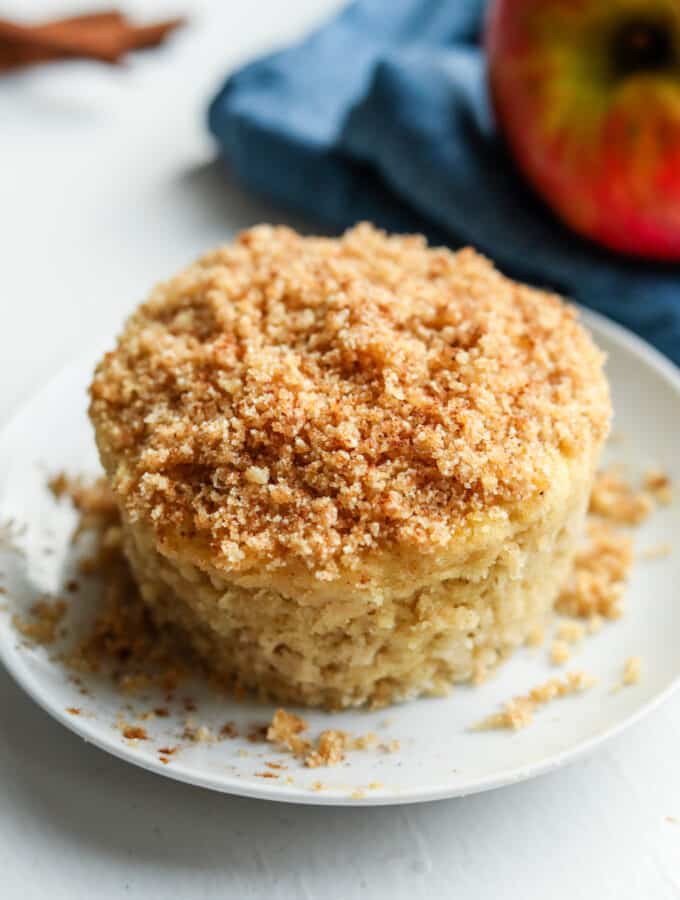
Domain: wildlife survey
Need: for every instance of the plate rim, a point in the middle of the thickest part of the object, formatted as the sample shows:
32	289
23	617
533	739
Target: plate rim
20	671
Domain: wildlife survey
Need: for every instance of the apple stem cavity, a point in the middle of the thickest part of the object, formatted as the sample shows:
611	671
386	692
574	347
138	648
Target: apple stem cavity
643	45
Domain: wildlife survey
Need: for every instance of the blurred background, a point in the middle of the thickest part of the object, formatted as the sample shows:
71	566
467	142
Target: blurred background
108	175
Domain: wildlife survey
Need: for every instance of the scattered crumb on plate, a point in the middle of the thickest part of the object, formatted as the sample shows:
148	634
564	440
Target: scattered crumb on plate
632	670
597	582
658	484
615	499
559	652
135	733
519	712
656	551
43	625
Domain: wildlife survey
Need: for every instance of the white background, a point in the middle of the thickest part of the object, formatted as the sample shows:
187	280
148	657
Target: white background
107	183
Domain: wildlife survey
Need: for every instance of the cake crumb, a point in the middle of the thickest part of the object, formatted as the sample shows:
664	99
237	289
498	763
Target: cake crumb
330	749
376	786
58	484
559	653
658	484
198	734
229	730
73	710
358	794
135	733
597	582
613	498
595	624
43	626
266	775
536	637
285	729
364	741
518	712
257	734
632	670
570	631
657	551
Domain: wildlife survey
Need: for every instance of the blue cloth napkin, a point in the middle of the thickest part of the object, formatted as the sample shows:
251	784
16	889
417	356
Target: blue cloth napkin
383	114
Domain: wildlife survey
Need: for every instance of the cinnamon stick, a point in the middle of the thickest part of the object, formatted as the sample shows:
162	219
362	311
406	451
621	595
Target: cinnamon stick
104	36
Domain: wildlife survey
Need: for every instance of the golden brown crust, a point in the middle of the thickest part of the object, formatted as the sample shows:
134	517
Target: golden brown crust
310	401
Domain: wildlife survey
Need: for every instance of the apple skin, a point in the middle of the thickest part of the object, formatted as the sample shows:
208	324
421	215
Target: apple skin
587	94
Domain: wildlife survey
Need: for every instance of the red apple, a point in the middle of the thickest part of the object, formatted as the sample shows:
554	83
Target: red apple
587	93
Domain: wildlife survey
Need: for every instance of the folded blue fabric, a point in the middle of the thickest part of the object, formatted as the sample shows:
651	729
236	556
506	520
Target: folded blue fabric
383	114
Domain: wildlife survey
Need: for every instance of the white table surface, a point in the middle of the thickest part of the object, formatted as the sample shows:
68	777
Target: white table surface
107	183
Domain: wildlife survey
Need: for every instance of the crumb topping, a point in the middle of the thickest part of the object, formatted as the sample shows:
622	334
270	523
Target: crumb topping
314	398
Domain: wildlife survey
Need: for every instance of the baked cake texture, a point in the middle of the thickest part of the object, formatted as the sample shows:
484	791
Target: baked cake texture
350	470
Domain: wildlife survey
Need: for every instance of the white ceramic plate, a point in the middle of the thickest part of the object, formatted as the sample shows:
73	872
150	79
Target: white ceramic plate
438	756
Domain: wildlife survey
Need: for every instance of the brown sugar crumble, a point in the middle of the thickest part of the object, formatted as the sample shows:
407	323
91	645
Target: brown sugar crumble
373	392
519	712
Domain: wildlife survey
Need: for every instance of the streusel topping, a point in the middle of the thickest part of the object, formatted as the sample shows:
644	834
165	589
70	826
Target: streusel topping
312	399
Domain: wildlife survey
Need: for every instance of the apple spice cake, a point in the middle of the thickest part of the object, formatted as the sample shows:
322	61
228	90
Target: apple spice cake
350	470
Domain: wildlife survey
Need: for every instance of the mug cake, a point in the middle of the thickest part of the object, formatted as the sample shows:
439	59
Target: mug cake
350	469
